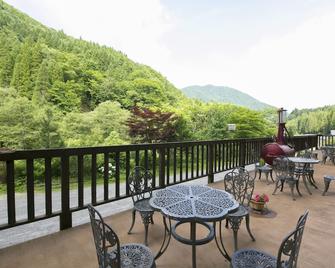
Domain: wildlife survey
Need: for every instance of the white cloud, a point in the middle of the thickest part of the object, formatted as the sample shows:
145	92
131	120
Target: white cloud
294	70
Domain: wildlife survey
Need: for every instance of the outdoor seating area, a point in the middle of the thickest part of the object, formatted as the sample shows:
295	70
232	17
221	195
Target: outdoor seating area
75	247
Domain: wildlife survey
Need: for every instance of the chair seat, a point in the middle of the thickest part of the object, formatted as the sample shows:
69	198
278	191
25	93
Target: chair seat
143	205
135	255
240	212
252	258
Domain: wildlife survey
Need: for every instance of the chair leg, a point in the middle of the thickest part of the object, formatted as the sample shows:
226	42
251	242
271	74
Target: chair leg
227	223
297	187
146	227
276	187
146	219
133	221
271	176
247	223
152	219
282	185
292	190
327	182
235	223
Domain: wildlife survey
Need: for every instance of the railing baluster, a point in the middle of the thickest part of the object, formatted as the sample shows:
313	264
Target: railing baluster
154	167
10	193
117	174
48	186
192	162
186	162
127	171
168	166
202	159
197	161
174	164
30	189
215	157
94	179
65	216
210	163
219	156
180	163
80	180
161	167
137	158
146	161
106	176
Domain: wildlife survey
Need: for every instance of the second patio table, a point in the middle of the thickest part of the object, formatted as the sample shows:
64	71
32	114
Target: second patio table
306	162
193	204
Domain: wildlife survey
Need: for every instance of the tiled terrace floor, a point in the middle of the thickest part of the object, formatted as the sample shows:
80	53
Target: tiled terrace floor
75	248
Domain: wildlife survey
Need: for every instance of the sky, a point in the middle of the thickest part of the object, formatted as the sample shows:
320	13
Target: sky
281	52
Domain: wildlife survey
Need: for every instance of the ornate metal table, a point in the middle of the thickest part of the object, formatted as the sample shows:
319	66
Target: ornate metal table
306	162
193	204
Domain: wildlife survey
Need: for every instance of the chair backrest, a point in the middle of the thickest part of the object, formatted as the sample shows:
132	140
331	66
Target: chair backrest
240	184
107	243
140	184
283	168
289	248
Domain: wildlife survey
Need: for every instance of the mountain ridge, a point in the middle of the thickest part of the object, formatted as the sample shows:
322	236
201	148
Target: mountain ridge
224	94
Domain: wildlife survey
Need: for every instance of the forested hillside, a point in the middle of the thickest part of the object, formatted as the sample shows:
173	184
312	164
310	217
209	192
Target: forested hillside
319	120
58	91
210	93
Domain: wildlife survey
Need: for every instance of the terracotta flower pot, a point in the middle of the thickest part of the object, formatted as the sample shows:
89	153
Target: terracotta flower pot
257	205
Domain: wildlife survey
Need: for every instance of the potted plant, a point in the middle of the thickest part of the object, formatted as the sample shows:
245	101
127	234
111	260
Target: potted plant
258	201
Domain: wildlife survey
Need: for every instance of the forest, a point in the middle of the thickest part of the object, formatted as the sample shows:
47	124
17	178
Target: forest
58	91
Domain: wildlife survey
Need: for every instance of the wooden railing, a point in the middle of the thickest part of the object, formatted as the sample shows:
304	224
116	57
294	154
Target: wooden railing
170	163
325	140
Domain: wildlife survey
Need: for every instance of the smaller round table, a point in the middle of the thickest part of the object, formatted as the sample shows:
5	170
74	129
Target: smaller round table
193	204
306	162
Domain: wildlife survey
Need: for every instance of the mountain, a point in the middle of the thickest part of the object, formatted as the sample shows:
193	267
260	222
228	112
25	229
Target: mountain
210	93
72	74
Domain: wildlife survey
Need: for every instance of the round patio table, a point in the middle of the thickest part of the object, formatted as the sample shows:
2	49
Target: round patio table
193	204
305	162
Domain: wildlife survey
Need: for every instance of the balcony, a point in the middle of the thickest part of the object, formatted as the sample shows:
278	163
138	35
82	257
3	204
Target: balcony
74	247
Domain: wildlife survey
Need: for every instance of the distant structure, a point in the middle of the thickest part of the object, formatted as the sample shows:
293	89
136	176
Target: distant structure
280	147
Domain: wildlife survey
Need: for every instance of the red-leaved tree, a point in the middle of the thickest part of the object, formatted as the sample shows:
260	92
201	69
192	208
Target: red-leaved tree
150	126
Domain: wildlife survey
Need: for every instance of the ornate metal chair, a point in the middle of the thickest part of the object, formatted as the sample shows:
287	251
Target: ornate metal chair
241	185
285	172
109	252
140	187
289	249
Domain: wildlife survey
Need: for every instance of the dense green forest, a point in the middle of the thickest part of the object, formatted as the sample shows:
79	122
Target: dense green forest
58	91
221	94
319	120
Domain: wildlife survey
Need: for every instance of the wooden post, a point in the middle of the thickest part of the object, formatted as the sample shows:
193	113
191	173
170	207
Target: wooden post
65	218
210	163
161	167
242	152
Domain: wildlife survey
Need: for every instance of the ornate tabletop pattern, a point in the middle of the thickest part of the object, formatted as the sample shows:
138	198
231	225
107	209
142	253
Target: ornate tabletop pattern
193	202
303	160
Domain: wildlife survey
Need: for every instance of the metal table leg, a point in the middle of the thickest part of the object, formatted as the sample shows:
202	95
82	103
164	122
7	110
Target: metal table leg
219	241
166	239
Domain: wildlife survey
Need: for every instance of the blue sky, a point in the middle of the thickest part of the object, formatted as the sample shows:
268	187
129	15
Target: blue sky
281	52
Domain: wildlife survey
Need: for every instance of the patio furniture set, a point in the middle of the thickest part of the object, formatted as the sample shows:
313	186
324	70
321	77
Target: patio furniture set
191	205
